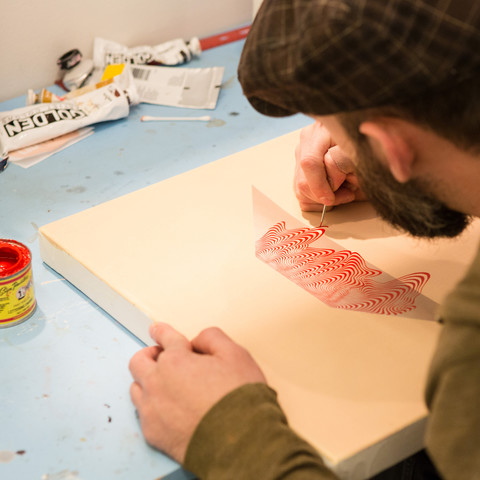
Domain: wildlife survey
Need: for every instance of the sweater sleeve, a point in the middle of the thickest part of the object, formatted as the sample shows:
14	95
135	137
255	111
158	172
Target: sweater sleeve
453	389
245	436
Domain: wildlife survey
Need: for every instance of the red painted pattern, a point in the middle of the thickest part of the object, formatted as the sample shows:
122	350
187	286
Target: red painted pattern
339	278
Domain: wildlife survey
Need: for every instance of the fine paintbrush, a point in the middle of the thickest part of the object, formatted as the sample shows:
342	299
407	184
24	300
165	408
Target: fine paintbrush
323	215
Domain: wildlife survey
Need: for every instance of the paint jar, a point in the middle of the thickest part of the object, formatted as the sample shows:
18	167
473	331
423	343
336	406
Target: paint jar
17	297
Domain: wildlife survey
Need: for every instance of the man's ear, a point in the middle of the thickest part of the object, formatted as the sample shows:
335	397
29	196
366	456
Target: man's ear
388	140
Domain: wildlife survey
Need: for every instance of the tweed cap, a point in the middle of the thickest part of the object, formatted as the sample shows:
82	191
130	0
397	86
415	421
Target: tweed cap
328	56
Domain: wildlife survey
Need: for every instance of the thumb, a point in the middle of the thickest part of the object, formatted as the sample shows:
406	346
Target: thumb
342	161
167	337
213	341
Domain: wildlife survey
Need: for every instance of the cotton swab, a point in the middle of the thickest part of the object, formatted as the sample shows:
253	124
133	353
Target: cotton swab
148	118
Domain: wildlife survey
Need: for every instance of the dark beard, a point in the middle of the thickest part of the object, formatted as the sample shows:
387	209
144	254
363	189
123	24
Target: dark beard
408	206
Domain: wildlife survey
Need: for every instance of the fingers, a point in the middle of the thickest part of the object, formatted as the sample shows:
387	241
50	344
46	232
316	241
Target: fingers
241	367
136	394
315	184
344	195
322	171
143	361
342	162
337	166
212	341
315	138
311	180
146	359
167	337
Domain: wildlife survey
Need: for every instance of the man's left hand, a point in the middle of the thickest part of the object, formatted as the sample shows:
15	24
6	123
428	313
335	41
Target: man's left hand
176	382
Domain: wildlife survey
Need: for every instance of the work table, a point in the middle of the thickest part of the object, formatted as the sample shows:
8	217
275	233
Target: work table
66	411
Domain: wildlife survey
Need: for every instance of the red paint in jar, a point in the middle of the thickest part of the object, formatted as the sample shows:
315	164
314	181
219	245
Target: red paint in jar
17	297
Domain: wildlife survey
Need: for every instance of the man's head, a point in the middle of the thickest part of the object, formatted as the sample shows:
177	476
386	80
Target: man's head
378	67
321	57
385	157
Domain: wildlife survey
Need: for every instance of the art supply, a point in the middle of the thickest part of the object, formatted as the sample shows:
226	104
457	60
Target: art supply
223	38
174	52
112	71
69	59
29	156
148	118
323	215
178	87
33	124
17	298
87	89
44	96
78	76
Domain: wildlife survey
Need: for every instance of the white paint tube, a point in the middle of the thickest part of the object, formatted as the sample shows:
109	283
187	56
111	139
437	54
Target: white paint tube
174	52
33	124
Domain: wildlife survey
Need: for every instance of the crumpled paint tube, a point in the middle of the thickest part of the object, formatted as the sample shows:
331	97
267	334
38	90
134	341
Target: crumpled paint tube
175	52
44	96
32	124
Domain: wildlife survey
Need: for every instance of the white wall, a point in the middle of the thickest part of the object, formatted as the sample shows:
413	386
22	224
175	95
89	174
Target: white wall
35	34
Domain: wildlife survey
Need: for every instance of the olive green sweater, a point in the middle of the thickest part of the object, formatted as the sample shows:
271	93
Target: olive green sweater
453	388
245	436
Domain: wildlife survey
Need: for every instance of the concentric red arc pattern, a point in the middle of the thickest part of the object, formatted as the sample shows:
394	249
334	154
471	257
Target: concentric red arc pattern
339	278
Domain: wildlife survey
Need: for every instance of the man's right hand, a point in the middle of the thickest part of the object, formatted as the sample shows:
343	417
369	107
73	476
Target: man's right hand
324	175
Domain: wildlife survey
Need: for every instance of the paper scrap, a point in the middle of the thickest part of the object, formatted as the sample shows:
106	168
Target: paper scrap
29	156
178	87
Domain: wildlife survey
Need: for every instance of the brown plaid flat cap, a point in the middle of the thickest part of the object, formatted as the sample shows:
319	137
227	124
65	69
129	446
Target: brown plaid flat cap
328	56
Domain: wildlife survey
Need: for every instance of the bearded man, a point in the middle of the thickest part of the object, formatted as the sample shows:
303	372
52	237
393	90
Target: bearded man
393	87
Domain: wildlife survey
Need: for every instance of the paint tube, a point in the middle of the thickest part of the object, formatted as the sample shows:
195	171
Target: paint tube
87	88
33	124
175	52
78	75
44	96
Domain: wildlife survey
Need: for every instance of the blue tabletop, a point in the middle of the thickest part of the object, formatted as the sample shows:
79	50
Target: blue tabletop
65	410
